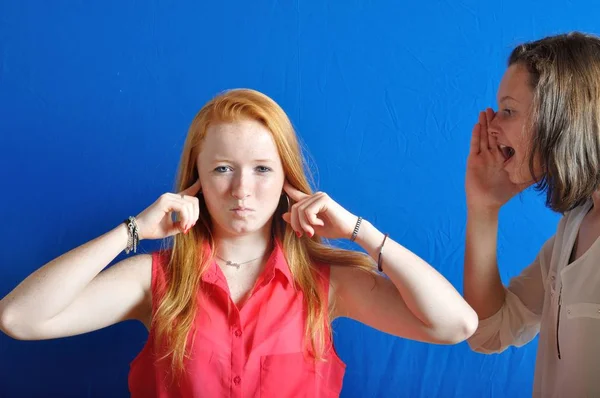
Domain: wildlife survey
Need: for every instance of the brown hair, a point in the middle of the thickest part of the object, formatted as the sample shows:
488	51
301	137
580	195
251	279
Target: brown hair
564	73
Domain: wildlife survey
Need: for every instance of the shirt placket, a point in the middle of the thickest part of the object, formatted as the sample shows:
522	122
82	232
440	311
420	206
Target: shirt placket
235	333
237	352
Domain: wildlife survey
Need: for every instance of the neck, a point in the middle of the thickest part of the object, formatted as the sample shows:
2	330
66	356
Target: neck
596	201
240	248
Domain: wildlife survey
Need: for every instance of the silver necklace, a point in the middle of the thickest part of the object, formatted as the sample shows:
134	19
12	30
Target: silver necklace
237	265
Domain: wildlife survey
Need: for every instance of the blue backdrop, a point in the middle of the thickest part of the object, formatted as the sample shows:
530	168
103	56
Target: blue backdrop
96	98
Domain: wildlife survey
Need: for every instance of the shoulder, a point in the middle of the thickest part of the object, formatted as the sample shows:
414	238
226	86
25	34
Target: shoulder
572	218
567	226
159	265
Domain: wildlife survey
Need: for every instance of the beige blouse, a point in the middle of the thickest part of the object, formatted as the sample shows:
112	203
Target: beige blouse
561	302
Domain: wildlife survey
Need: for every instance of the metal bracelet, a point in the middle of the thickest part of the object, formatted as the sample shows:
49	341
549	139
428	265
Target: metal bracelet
356	228
380	257
133	237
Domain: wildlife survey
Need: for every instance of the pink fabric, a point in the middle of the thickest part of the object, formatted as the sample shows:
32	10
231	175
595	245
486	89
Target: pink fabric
255	351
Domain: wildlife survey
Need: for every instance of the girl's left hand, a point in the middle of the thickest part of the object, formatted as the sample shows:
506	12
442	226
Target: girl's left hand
318	214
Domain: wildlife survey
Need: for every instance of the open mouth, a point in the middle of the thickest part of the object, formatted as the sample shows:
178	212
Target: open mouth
506	151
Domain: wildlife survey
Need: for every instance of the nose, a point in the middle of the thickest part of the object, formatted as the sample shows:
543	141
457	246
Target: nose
493	127
240	188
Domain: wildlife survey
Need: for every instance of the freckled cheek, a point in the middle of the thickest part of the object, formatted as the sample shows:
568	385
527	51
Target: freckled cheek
215	190
269	190
214	202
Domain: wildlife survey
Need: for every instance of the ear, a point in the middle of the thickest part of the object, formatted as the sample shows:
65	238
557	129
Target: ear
284	202
196	177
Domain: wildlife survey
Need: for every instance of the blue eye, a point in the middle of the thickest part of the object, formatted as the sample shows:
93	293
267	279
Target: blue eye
222	169
263	169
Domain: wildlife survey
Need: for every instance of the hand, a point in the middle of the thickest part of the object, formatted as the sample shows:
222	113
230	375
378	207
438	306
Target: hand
156	221
487	183
318	214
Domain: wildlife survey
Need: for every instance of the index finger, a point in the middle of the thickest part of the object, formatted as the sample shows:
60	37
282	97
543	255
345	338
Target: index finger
293	193
193	189
483	136
489	116
475	138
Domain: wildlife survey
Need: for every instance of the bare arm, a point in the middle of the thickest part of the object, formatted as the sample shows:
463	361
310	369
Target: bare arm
416	302
488	187
508	316
70	295
483	287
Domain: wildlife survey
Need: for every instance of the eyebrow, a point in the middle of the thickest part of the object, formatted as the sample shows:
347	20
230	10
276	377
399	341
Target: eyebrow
226	160
508	97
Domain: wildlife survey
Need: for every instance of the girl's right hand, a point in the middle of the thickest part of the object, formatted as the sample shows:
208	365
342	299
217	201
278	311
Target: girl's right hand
487	184
156	221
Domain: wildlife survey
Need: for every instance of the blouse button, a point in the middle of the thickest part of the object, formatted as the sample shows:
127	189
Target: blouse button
237	380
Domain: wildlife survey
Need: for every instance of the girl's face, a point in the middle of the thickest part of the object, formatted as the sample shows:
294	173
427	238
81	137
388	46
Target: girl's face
241	176
515	98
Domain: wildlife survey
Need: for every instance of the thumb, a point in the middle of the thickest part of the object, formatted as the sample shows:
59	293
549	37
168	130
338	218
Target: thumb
174	229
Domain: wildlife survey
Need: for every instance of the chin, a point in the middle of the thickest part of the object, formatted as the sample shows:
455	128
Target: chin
520	178
240	229
515	179
236	227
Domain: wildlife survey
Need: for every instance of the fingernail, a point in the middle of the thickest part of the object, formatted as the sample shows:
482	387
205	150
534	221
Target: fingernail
298	234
